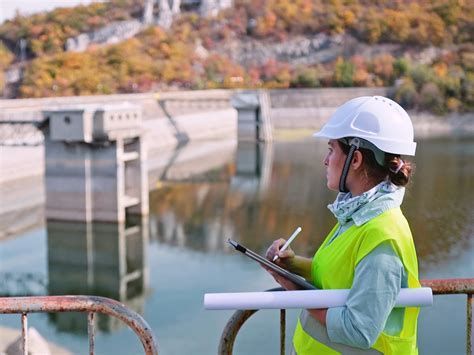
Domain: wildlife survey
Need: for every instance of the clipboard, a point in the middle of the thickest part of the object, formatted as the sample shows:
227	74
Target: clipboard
296	279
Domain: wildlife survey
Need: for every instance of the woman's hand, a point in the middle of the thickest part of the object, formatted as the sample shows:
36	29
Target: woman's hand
285	257
319	315
284	260
289	261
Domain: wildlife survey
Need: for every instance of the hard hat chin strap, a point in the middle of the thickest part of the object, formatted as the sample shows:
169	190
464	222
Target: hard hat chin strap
354	145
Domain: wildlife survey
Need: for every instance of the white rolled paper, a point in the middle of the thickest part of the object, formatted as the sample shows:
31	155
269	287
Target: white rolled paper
309	299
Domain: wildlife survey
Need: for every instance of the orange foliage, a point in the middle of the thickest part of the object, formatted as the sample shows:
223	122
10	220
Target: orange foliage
159	58
383	67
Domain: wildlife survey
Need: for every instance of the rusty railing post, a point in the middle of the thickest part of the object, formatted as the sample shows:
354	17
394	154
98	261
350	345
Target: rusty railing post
24	333
90	331
470	327
282	331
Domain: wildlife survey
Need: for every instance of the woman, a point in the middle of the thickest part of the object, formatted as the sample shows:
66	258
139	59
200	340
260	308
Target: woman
370	250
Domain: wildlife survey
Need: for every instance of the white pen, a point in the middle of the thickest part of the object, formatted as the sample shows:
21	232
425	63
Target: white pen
293	236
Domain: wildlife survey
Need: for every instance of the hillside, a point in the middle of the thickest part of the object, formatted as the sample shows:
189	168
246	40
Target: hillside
424	48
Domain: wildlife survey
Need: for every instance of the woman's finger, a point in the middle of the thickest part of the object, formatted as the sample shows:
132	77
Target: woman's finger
274	248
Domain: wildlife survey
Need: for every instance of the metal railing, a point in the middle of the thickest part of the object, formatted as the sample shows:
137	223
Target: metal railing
84	304
439	287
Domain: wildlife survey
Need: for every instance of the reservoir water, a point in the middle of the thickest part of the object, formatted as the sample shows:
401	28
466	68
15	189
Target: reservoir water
260	193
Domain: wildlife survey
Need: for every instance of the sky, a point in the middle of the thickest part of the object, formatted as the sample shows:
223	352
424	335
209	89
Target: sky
26	7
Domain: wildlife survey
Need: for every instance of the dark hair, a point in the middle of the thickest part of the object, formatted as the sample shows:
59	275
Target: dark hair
380	173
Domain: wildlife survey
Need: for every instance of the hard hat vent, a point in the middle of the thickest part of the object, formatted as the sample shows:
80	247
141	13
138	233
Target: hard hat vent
367	123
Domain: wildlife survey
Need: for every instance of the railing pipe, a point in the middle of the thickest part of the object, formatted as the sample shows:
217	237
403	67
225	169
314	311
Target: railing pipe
236	321
231	329
37	304
450	286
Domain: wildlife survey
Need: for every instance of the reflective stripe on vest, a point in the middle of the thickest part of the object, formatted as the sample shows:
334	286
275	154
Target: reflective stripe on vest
333	268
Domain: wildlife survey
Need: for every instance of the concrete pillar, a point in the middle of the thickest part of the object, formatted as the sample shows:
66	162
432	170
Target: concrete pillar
254	118
103	259
95	164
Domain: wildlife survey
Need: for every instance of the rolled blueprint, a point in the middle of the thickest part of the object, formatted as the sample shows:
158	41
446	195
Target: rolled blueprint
309	299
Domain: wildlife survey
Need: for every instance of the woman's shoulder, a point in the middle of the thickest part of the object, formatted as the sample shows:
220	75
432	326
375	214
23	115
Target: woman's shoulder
389	226
391	218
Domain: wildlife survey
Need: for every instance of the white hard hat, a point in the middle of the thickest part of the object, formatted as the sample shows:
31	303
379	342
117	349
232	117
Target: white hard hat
376	119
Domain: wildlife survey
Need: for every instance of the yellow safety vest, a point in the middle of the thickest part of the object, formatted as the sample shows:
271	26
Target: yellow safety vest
333	267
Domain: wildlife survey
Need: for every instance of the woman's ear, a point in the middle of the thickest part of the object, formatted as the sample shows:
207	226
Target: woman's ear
357	160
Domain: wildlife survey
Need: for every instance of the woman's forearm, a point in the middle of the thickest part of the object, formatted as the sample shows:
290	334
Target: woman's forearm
301	266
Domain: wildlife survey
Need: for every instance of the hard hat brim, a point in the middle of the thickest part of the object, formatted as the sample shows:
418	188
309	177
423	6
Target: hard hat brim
402	148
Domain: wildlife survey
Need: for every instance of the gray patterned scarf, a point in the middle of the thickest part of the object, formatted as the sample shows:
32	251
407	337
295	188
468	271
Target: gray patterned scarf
368	205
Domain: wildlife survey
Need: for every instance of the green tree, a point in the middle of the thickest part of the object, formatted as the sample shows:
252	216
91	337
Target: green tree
406	93
304	77
421	75
343	72
6	58
401	66
467	90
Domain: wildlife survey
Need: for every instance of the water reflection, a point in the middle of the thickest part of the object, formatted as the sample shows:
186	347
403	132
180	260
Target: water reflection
253	172
103	259
194	162
198	211
277	187
439	204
